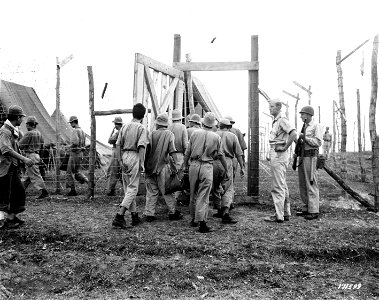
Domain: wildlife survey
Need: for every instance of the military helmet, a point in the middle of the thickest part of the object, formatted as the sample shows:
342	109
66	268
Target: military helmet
15	110
72	119
307	110
31	120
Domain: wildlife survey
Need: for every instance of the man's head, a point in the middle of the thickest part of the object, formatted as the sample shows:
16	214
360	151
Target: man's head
306	113
139	111
224	124
117	122
275	106
327	128
230	120
15	115
209	120
176	115
195	120
31	123
162	120
73	120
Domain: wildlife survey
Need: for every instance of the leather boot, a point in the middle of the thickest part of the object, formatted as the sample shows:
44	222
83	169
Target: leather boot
203	228
135	219
218	214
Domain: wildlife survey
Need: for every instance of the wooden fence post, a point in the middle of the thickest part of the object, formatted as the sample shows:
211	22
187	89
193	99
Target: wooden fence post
92	149
57	126
363	170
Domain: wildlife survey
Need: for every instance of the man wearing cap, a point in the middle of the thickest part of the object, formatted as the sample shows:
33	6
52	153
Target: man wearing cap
32	144
194	124
162	143
282	136
203	148
327	138
181	137
241	140
114	170
130	151
77	146
224	190
12	195
308	183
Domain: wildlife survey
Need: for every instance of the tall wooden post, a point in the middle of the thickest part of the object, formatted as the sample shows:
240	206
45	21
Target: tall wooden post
253	136
177	58
319	115
363	170
373	136
309	95
343	121
188	76
334	130
57	126
92	149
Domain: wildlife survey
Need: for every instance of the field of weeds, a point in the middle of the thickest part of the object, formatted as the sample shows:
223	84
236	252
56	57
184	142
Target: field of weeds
67	249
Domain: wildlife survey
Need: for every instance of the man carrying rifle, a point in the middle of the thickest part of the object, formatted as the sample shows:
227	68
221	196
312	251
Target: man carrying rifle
310	139
282	136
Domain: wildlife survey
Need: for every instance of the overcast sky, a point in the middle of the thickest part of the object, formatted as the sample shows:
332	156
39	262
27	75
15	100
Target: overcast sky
298	41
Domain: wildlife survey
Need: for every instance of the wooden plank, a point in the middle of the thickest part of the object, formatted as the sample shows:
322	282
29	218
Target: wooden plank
115	112
179	95
158	66
138	82
164	88
169	95
92	149
151	89
217	66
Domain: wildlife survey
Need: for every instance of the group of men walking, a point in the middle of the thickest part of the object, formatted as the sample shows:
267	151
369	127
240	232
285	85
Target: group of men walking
205	153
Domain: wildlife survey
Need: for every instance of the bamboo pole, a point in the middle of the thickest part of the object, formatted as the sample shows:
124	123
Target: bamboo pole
92	149
372	123
57	126
343	120
253	132
363	170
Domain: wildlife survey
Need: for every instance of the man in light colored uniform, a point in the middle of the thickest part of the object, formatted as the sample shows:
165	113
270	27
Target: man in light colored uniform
130	150
204	146
282	136
114	169
162	143
307	171
32	144
327	137
77	146
224	190
181	137
194	124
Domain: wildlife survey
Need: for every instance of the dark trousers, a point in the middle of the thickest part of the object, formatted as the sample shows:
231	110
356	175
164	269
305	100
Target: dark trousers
12	192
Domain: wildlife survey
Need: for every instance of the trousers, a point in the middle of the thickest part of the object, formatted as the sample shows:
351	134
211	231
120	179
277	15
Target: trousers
12	195
309	192
32	174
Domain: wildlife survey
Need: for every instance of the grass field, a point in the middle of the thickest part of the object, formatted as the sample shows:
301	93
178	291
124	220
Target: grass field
67	249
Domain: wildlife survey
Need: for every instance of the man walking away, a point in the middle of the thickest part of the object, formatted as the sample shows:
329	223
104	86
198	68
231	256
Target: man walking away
12	192
77	146
130	150
114	170
32	145
158	169
194	124
327	137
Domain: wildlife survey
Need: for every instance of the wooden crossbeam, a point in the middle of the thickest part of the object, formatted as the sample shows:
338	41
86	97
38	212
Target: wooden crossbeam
169	95
217	66
158	66
151	89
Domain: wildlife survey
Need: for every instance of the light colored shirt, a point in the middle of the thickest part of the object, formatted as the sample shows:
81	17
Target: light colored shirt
132	136
32	141
313	135
230	144
8	143
205	146
113	137
78	139
190	130
281	128
181	136
240	138
327	137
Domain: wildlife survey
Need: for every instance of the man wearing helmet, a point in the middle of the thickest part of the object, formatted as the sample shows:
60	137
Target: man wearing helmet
77	141
12	196
32	143
327	137
308	184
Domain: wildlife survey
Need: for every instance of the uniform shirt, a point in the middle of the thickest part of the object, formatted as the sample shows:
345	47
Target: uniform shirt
132	136
32	141
327	137
205	146
181	136
8	143
313	134
78	139
230	144
113	138
240	138
281	128
190	130
162	142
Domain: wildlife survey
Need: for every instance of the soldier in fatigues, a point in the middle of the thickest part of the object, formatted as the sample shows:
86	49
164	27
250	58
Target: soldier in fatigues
308	181
32	144
114	170
327	137
204	146
194	124
77	146
224	190
158	169
282	136
12	192
130	149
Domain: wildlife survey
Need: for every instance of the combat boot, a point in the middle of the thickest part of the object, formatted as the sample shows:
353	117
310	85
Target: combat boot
119	221
44	194
226	219
135	219
203	228
177	215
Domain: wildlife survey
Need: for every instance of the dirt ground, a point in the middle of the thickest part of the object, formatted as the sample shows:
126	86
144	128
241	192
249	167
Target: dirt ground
67	249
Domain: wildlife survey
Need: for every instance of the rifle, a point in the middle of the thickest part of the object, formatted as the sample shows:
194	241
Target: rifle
298	149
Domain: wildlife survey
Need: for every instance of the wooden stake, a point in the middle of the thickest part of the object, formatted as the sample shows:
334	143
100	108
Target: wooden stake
92	149
57	126
188	76
363	170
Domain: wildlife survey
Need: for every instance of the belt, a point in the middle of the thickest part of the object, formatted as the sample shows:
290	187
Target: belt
131	150
310	152
326	140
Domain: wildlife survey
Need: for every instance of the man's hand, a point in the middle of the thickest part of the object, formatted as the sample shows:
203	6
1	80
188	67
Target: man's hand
226	177
142	168
242	173
28	162
301	135
280	148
